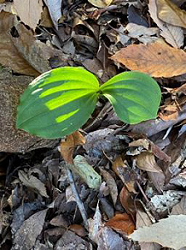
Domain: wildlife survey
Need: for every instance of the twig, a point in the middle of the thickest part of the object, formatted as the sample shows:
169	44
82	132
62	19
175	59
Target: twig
75	193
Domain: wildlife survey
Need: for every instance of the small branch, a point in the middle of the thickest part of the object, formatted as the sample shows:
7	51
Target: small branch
78	200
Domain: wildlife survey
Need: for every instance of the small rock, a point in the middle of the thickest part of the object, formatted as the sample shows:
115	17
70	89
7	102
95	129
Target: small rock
11	139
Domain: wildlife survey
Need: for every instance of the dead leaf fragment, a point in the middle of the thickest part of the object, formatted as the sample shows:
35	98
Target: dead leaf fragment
146	161
172	34
169	232
26	235
156	59
67	147
31	181
122	223
29	11
54	7
171	13
111	185
100	3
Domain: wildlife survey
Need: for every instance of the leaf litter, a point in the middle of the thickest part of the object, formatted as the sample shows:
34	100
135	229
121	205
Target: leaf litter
126	177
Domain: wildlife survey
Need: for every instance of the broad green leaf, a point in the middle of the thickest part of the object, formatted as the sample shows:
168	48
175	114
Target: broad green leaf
58	102
135	96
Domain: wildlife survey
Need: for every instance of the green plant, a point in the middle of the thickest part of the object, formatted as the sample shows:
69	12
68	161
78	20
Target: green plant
60	101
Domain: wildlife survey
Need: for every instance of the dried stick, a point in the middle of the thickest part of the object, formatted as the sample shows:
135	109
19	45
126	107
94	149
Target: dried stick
75	193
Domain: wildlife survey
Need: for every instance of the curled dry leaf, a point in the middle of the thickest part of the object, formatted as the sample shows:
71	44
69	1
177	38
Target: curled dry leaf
100	3
146	161
67	147
172	34
168	232
29	11
127	201
171	13
156	59
122	223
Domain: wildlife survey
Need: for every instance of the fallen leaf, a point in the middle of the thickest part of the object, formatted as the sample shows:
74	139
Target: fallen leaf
142	33
111	185
100	3
180	208
171	13
104	236
122	223
31	181
127	201
169	232
146	161
70	241
26	235
21	52
157	59
125	173
142	219
172	34
54	7
86	172
29	11
68	146
78	229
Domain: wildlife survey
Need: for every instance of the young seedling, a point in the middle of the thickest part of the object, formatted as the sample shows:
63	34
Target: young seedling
60	101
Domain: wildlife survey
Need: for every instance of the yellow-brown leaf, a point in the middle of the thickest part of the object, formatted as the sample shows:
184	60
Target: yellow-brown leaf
171	13
156	59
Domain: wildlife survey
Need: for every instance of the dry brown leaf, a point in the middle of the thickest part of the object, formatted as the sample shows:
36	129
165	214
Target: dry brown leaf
100	3
21	52
125	173
180	208
157	59
122	223
171	13
172	34
127	201
78	229
9	51
111	185
29	11
146	161
45	19
142	219
168	232
67	147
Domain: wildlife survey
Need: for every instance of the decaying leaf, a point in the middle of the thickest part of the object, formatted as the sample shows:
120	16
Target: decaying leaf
31	181
121	223
104	236
171	13
127	201
156	59
20	51
180	208
86	172
142	33
169	232
100	3
142	219
122	169
146	161
54	7
29	11
67	147
172	34
26	235
111	185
